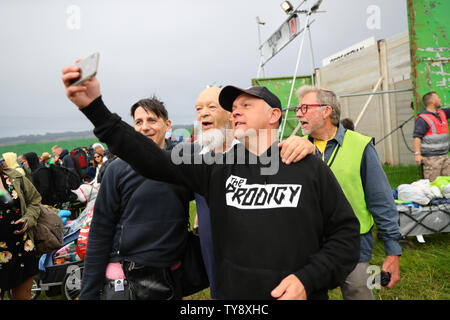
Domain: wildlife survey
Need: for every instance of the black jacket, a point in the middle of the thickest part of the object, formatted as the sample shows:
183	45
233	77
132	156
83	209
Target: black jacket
264	227
134	219
40	177
55	184
68	162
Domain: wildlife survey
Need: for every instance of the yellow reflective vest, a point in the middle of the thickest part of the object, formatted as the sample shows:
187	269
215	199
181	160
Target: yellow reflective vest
345	162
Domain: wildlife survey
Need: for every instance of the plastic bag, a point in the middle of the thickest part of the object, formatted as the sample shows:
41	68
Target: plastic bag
446	191
84	234
436	192
424	186
85	193
443	183
408	192
421	192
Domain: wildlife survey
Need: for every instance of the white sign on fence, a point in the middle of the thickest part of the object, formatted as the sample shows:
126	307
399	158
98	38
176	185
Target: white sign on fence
348	51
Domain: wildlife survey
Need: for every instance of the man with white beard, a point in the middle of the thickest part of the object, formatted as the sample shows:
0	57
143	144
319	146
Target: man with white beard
213	122
215	134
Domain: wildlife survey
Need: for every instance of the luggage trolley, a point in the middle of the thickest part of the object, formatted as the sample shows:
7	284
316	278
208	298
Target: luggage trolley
59	279
424	220
65	278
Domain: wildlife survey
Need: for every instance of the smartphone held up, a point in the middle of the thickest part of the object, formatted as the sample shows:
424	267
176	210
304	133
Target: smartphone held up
88	68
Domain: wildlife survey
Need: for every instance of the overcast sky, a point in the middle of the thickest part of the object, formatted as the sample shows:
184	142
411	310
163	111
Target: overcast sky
169	48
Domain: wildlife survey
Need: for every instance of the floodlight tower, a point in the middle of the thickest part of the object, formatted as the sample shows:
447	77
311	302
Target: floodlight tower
287	7
260	22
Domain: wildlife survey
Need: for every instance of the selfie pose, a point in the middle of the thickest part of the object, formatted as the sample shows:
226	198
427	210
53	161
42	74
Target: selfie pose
139	226
288	235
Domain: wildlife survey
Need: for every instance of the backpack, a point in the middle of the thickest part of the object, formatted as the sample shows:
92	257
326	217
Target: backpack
49	230
81	161
63	181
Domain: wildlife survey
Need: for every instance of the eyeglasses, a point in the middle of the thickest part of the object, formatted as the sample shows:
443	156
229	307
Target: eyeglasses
304	107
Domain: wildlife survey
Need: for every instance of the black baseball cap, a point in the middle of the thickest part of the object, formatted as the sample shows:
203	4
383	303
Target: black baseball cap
229	93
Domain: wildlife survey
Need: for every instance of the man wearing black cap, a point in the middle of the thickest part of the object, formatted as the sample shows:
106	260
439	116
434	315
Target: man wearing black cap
255	111
287	235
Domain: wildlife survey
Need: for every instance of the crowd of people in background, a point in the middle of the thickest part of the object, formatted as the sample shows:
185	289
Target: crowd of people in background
37	168
31	180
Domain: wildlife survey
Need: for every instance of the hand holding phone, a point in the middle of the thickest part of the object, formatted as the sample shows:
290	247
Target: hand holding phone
74	75
88	69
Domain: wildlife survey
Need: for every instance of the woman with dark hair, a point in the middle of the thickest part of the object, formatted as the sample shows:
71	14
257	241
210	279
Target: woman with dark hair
18	216
98	160
98	163
32	160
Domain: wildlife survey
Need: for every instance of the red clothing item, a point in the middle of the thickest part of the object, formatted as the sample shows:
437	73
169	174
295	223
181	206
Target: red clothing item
437	126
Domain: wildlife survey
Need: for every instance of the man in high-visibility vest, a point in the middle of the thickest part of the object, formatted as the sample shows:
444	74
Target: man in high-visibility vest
355	163
431	140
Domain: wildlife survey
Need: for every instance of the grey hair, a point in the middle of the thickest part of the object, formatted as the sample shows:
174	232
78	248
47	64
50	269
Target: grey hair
324	96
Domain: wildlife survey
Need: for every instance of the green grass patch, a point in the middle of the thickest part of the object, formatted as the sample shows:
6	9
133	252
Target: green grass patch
424	271
398	175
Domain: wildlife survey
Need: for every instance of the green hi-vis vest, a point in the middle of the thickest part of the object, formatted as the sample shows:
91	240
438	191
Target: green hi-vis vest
345	162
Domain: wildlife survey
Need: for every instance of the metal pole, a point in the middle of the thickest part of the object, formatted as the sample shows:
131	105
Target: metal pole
294	132
295	76
312	56
371	93
259	22
259	68
367	102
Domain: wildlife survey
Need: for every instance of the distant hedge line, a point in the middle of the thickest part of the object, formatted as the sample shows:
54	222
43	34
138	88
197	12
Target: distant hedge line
41	147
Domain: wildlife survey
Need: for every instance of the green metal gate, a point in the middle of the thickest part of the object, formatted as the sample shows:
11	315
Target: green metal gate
281	87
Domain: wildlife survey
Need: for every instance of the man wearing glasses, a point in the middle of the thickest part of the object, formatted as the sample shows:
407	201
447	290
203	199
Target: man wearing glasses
354	161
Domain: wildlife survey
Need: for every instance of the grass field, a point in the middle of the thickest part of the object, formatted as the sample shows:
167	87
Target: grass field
401	174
